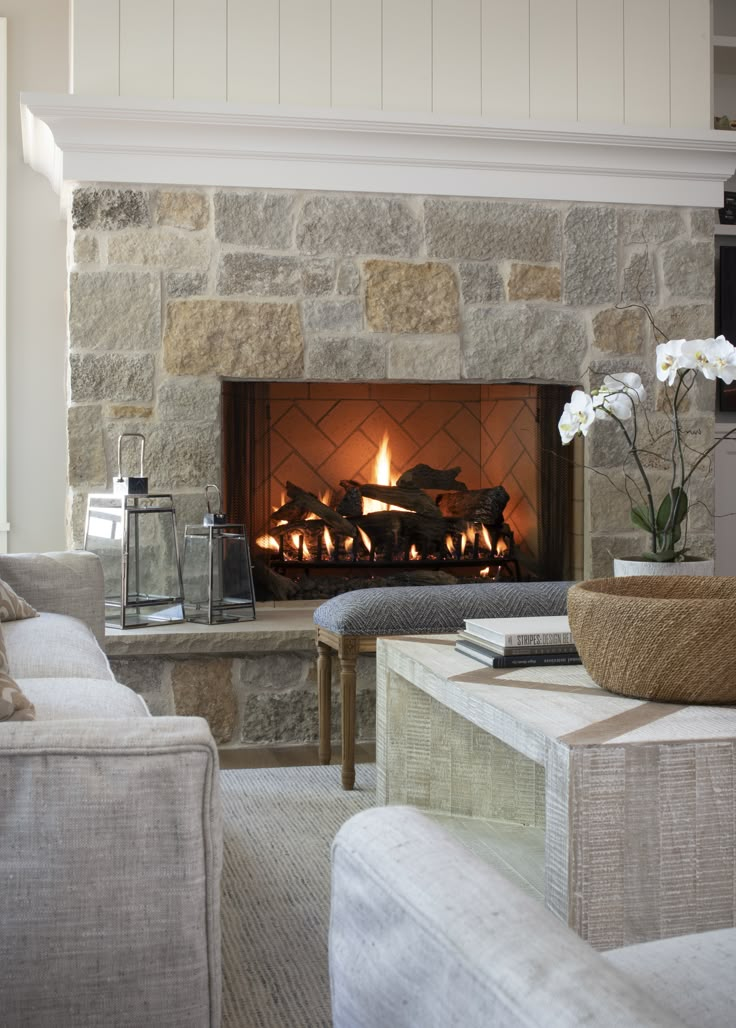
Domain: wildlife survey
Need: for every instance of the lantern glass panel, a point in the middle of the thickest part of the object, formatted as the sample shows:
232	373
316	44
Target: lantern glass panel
217	575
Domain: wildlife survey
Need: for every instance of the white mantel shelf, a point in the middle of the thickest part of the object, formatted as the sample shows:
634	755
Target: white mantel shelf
72	139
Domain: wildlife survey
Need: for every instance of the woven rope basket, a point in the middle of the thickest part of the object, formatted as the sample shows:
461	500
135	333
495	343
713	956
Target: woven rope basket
668	639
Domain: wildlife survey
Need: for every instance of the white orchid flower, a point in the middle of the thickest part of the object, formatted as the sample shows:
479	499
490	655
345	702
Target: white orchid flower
671	359
618	394
577	416
698	351
716	358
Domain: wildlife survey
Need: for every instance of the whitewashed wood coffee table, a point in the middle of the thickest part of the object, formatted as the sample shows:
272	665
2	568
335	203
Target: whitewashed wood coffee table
630	806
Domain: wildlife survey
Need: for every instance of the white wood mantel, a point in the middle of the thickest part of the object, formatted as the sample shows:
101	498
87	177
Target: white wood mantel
113	139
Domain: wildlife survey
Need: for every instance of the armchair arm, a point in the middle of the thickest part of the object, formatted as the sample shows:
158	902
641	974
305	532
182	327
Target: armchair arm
110	859
422	932
68	582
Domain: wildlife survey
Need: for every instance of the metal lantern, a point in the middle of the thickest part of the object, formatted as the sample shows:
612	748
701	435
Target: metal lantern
133	532
216	569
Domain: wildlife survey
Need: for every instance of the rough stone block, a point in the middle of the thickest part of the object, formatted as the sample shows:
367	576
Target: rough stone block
618	330
686	321
114	310
318	276
481	282
687	268
178	455
189	399
424	358
159	247
534	282
639	281
491	230
112	376
87	464
346	359
702	222
186	283
127	411
109	209
257	219
258	274
183	209
75	516
150	678
590	256
348	278
233	337
205	688
85	249
346	225
332	316
401	297
651	225
280	717
500	339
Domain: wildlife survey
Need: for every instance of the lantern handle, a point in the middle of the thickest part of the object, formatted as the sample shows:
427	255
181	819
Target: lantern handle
129	435
207	498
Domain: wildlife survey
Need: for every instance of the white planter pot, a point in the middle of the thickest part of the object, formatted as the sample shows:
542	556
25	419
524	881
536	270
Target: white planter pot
694	566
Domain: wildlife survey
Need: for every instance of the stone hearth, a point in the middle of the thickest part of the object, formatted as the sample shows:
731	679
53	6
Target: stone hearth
172	290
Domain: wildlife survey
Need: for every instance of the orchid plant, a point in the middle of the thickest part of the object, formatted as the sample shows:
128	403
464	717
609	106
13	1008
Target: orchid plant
620	399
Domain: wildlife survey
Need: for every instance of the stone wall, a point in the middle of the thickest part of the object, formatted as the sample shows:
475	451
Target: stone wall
172	289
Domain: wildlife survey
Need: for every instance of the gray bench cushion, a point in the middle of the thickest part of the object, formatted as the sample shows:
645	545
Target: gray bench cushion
406	610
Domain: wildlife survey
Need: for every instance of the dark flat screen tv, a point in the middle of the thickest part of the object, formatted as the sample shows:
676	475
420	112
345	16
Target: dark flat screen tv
726	317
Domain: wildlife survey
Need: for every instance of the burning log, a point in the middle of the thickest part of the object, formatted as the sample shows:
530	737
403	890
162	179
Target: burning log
400	529
422	476
304	502
351	505
409	498
484	505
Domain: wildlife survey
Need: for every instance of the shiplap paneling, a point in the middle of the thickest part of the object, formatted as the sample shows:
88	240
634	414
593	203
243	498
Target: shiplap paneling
200	33
356	53
305	72
601	60
456	56
641	62
553	89
407	55
253	51
96	47
505	58
146	47
690	47
647	62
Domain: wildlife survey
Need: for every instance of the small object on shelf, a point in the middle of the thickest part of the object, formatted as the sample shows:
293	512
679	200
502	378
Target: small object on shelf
727	213
722	121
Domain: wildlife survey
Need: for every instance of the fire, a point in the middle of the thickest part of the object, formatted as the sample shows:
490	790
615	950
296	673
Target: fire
413	553
300	543
267	542
381	476
329	545
486	539
348	545
366	539
484	572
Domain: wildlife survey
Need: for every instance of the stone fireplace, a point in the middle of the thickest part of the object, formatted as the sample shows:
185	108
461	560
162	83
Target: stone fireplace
173	290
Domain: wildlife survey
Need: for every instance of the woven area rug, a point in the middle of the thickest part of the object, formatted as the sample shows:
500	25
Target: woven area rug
279	824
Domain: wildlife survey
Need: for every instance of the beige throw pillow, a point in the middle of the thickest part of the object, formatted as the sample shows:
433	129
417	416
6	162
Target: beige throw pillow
14	705
12	606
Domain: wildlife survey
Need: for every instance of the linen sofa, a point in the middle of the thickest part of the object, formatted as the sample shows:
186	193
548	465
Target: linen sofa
110	828
423	932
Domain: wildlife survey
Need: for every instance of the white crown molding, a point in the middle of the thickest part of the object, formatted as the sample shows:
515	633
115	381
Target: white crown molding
113	139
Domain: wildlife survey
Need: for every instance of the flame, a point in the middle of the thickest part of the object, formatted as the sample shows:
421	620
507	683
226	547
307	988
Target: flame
296	538
267	542
463	543
486	539
450	544
381	476
348	545
484	572
501	548
413	553
329	545
366	539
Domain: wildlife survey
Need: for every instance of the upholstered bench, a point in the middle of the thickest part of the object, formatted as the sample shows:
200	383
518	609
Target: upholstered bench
350	623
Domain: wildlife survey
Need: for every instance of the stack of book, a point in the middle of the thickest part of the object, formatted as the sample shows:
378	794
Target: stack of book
518	642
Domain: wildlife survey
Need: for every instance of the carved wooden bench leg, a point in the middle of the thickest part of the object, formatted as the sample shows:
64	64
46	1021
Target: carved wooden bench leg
348	654
324	700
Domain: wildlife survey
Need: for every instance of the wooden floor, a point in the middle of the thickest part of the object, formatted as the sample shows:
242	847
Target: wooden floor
287	756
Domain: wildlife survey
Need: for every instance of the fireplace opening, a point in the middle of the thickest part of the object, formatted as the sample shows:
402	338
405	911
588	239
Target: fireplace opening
344	485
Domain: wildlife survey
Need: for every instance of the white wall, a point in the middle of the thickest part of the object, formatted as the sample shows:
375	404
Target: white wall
622	61
36	283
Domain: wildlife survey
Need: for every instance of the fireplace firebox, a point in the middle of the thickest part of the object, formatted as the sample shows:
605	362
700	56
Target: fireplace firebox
398	482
